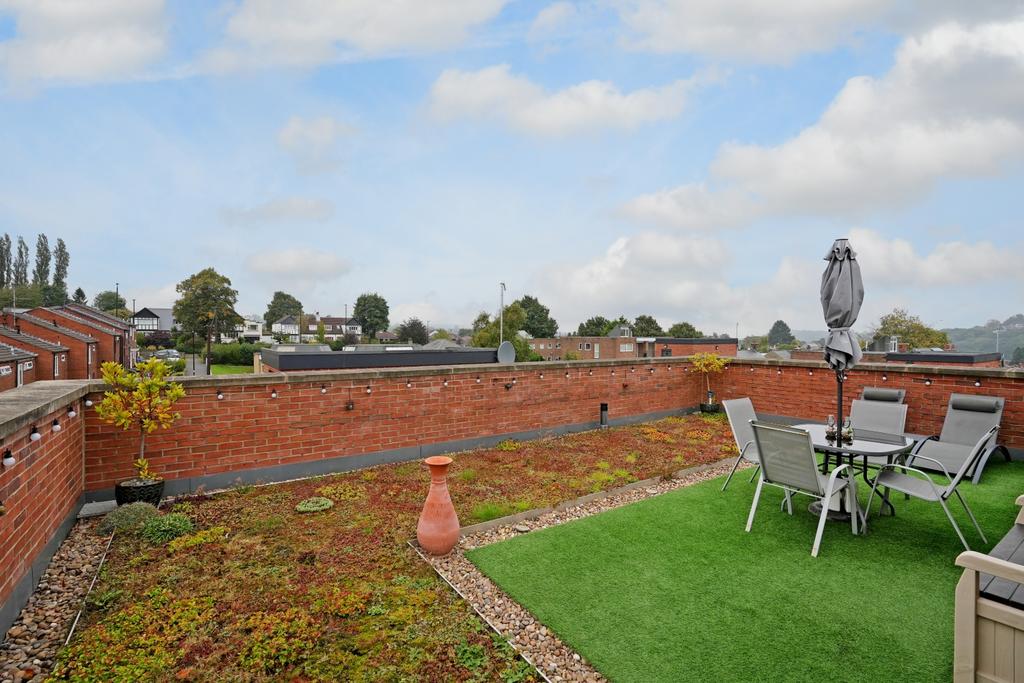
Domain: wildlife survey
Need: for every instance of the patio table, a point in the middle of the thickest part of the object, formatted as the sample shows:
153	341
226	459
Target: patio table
865	444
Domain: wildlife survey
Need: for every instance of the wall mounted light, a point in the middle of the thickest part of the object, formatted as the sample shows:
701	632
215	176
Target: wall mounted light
513	380
885	378
613	373
779	371
478	380
88	403
590	372
567	374
751	368
220	395
652	370
810	372
408	384
632	369
72	413
928	382
542	375
369	389
34	435
508	386
55	425
323	388
8	458
444	383
351	405
977	382
273	394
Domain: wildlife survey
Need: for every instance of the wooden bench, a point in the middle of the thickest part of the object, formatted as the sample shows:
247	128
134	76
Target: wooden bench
988	641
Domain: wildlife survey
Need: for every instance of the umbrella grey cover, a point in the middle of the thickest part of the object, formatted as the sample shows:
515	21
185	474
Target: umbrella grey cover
842	293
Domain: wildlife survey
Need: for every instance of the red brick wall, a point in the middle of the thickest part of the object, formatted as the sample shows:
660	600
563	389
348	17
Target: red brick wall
107	344
39	491
679	350
11	381
810	391
609	347
248	429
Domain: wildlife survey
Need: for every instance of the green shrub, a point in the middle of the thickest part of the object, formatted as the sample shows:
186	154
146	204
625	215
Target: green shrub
211	535
485	512
234	354
126	518
467	475
508	445
314	504
160	530
472	657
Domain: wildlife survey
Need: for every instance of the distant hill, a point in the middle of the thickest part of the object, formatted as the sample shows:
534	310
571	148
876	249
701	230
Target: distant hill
982	338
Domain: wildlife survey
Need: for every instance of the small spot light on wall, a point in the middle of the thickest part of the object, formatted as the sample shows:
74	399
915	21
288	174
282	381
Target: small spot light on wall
885	378
323	388
751	368
513	380
478	380
273	394
8	458
220	395
34	435
369	389
88	403
652	370
444	383
72	413
508	386
55	425
567	374
632	369
977	382
928	382
408	384
810	372
779	371
542	375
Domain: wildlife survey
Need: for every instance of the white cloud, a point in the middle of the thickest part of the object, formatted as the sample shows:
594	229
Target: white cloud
311	32
158	297
495	93
950	106
684	277
777	32
552	18
82	42
298	264
312	142
896	263
285	210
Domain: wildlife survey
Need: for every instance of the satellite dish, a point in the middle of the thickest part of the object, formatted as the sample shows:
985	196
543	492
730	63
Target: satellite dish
506	352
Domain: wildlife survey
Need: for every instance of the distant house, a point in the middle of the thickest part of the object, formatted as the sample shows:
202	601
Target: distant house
387	336
335	328
17	367
148	320
249	330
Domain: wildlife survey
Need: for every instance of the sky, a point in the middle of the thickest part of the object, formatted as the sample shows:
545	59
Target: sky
689	159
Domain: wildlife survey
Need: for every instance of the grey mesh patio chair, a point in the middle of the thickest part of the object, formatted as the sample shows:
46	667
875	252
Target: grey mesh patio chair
740	412
896	477
883	394
968	417
878	416
788	462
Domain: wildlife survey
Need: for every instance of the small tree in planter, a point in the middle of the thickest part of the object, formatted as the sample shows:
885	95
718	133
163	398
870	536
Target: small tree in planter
142	400
709	364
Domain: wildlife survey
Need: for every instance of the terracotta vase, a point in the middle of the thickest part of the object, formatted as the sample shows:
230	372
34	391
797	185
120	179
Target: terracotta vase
438	528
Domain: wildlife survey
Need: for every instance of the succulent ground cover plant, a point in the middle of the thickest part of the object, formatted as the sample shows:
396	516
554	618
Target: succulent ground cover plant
257	591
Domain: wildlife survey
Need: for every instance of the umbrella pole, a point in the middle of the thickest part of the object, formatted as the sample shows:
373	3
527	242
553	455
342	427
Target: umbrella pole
839	401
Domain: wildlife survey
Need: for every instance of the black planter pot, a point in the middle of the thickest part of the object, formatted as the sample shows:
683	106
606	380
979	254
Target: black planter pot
139	491
710	407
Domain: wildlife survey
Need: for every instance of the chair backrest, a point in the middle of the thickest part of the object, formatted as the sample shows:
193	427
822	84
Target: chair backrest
879	416
787	457
883	394
740	412
968	417
979	448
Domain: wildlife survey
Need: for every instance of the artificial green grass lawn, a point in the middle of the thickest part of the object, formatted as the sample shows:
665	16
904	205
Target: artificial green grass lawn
231	369
673	589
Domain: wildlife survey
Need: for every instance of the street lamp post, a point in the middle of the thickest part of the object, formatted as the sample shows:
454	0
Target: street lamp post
501	314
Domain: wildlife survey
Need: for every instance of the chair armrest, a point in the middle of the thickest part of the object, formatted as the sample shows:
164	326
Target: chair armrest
919	444
980	562
941	466
908	468
743	451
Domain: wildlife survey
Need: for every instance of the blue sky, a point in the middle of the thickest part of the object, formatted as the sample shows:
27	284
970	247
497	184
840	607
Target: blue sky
692	160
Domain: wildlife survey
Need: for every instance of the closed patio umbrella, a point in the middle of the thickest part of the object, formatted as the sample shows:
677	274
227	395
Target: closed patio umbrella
842	293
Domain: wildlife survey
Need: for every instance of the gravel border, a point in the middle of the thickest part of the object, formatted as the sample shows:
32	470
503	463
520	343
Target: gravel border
31	644
554	660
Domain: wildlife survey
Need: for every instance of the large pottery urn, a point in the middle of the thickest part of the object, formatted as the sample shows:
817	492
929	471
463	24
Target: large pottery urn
438	529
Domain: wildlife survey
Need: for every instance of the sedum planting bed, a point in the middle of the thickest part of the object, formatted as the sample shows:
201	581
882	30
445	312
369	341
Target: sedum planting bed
259	591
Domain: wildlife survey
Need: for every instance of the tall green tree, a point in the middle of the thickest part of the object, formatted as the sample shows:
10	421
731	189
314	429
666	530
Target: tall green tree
684	330
20	267
206	305
780	334
482	320
539	322
79	296
1018	355
440	334
41	272
281	304
413	330
6	261
489	336
910	330
371	310
597	326
61	261
109	300
647	326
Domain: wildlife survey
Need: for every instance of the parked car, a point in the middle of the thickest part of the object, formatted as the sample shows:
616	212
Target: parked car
169	355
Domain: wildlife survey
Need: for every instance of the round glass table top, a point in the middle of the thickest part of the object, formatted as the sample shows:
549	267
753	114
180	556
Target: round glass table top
864	442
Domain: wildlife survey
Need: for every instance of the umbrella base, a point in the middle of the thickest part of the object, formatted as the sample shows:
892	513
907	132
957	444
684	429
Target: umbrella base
840	515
